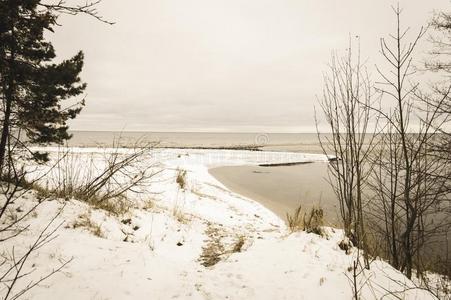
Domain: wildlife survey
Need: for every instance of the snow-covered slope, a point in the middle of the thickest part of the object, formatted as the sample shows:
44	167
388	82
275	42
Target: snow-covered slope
200	242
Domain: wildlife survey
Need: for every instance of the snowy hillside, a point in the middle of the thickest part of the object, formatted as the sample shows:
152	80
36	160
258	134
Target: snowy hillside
197	242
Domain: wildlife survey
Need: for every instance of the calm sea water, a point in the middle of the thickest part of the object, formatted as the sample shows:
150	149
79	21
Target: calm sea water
298	142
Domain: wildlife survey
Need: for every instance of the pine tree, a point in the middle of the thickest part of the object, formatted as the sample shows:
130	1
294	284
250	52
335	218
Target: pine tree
33	89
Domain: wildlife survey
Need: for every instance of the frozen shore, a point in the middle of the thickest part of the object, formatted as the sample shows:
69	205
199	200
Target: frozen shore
201	241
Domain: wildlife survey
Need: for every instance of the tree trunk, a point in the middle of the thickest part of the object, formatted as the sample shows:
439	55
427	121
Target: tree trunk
9	91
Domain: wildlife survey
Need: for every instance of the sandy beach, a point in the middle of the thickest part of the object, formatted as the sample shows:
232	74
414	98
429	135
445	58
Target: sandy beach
282	188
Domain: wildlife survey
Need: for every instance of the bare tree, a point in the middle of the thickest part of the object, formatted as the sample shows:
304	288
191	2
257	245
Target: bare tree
440	63
346	101
405	184
396	178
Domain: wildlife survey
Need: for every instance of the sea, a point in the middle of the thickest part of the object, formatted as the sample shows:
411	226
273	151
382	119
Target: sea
294	142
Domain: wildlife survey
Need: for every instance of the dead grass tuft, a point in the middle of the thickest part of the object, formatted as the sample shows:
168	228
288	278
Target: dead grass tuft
116	206
148	205
84	221
296	221
180	216
181	179
238	246
213	249
311	222
314	221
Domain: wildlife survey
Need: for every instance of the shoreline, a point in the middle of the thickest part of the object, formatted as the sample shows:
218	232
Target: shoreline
282	188
277	180
282	148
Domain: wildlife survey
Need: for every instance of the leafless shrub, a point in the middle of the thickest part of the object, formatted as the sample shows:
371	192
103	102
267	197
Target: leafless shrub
13	264
395	188
408	183
346	103
104	179
13	225
357	279
14	270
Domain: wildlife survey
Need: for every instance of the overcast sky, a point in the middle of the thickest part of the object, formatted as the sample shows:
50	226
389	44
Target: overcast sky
219	65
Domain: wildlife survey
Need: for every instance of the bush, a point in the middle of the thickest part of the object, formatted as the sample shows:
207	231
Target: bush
103	180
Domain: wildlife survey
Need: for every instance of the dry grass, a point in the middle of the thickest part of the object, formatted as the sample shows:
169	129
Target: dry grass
180	216
103	180
43	192
117	206
84	221
238	246
314	221
216	249
296	221
148	204
213	249
181	179
311	222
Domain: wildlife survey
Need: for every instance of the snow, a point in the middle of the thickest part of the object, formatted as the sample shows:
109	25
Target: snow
160	252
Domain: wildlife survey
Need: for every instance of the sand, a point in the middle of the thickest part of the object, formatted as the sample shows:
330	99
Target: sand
281	189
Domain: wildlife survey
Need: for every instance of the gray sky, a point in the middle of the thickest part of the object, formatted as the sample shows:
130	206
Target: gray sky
219	65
